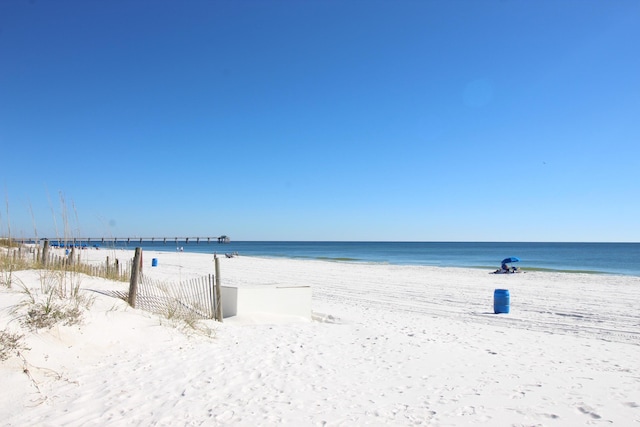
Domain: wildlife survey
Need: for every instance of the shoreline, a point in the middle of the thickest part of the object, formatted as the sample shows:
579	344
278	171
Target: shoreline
591	258
347	260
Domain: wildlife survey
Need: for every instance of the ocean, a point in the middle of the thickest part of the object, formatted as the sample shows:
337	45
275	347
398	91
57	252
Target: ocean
612	258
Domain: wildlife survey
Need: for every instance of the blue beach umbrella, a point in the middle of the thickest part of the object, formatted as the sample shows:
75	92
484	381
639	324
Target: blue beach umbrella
510	260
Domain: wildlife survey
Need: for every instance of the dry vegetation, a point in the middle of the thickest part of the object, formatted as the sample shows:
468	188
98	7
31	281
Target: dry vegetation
57	300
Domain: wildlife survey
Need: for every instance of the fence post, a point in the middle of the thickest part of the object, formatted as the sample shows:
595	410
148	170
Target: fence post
74	256
135	272
45	253
218	300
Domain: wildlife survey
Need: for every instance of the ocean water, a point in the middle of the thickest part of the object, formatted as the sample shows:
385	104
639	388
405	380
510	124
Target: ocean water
615	258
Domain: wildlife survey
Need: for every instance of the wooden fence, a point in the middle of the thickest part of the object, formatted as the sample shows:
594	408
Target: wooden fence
191	299
112	268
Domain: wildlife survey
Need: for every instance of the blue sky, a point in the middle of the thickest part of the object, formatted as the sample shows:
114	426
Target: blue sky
461	120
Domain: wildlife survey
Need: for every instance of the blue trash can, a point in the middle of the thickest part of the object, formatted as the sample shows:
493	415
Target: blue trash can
501	301
154	262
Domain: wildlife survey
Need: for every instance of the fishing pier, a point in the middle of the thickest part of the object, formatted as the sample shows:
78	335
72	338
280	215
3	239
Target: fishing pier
94	241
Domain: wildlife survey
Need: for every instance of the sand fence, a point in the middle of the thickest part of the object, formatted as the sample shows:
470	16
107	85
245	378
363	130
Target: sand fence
198	298
33	257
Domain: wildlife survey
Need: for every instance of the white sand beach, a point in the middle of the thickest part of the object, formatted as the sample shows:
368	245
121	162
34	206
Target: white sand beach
384	345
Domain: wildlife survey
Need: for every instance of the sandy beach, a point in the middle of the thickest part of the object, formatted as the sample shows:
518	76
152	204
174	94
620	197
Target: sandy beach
383	345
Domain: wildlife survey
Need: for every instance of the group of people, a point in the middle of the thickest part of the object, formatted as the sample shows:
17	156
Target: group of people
506	269
228	255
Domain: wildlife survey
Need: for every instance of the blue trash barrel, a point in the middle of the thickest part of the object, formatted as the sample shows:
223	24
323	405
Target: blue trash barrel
154	262
501	301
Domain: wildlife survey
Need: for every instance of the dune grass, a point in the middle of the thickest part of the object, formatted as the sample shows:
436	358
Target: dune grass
58	299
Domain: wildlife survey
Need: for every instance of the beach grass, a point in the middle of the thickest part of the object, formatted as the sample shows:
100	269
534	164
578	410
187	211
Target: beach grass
11	343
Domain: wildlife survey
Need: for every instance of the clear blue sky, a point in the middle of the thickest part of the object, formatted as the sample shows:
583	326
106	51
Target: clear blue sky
461	120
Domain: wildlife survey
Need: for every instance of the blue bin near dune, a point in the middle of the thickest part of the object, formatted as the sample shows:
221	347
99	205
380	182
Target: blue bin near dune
501	301
154	262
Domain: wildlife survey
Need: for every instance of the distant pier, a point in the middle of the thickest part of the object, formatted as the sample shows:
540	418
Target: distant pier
78	241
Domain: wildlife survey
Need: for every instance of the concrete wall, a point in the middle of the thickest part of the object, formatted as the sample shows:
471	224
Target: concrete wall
282	300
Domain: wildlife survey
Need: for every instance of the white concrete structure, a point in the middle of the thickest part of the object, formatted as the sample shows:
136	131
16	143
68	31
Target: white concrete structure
273	299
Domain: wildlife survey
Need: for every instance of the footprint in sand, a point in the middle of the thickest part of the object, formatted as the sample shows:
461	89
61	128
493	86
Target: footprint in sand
225	416
552	416
466	410
589	411
518	395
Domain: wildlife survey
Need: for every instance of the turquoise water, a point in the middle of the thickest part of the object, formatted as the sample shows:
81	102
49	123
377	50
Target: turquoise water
616	258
